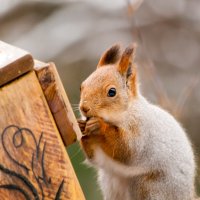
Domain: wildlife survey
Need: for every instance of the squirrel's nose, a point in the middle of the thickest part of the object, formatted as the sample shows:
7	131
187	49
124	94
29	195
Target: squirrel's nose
85	108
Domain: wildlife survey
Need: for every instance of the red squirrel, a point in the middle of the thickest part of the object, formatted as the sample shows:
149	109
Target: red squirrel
140	151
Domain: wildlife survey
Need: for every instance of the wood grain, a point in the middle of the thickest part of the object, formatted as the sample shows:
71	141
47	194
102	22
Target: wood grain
58	102
33	162
13	62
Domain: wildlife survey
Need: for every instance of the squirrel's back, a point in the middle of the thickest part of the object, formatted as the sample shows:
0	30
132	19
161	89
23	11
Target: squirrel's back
165	147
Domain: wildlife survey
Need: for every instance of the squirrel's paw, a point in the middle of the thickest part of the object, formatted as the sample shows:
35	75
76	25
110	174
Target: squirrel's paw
93	126
82	125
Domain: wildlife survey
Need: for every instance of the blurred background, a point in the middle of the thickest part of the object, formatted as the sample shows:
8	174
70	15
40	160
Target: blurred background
74	33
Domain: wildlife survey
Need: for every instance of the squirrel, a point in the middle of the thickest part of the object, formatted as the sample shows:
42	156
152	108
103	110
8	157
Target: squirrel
140	151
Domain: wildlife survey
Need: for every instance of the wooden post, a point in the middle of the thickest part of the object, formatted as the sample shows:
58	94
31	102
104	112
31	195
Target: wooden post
33	161
58	102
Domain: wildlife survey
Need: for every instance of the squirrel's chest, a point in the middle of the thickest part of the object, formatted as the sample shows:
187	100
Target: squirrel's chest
118	188
113	187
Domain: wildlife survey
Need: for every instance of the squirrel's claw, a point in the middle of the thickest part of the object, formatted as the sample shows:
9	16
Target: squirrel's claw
93	126
82	125
92	129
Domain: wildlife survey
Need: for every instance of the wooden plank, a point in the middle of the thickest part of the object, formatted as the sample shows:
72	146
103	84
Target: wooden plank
33	162
58	102
13	62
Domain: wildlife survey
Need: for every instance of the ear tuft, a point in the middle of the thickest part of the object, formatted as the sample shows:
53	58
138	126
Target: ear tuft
129	50
126	59
111	56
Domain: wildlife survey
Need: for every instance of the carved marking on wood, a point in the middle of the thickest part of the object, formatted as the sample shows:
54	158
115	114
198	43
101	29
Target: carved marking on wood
37	153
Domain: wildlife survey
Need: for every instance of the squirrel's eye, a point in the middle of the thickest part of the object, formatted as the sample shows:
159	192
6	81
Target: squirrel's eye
111	92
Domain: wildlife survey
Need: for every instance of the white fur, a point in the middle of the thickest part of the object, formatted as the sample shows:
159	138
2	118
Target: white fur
105	163
161	144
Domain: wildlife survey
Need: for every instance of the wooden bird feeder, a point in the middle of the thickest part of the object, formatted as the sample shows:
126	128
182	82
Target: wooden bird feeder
36	123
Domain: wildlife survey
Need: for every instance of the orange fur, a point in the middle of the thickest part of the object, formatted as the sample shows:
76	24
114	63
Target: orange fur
110	139
95	88
111	71
111	56
146	180
126	59
132	82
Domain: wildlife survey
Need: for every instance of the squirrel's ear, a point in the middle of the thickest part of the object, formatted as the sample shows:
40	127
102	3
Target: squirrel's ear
111	56
126	59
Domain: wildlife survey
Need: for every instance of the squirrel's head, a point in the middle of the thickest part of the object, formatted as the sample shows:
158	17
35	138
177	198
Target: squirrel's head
108	90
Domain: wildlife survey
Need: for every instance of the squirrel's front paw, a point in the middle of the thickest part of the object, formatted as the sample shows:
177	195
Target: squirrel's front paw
93	126
82	124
